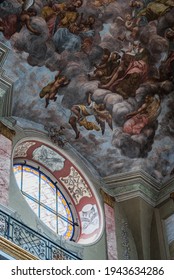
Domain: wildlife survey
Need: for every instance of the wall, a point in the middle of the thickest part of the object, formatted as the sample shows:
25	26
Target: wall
154	241
139	227
125	242
24	213
139	216
5	154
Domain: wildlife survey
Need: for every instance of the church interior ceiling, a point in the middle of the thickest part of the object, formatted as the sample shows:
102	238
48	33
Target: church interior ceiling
101	72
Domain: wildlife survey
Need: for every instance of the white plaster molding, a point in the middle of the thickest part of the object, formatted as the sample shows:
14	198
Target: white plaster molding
138	184
133	177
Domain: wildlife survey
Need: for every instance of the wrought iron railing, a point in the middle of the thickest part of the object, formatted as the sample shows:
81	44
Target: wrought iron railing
32	241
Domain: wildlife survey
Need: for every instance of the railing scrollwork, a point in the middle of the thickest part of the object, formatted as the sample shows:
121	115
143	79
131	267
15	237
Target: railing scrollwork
32	241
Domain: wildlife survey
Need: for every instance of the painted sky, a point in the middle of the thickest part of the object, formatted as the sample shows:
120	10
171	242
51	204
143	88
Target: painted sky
34	61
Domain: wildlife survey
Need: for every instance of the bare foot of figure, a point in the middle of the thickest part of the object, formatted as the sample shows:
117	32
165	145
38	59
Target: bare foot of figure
47	102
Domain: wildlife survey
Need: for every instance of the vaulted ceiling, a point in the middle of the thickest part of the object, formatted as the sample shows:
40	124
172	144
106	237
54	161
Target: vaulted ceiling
122	56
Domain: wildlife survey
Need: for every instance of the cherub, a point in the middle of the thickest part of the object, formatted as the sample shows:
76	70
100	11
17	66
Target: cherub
57	135
88	24
112	65
146	114
13	23
131	24
81	24
102	68
136	6
50	90
25	18
79	113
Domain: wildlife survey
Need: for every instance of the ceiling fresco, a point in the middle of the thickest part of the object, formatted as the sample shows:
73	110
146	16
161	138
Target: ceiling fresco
103	71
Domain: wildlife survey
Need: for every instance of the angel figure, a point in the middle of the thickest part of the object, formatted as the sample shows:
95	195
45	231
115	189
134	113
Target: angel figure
146	114
79	113
136	6
102	68
50	90
57	135
26	14
13	23
131	24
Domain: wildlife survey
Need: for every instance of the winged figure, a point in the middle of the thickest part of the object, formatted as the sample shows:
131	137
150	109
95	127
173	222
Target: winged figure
80	112
13	23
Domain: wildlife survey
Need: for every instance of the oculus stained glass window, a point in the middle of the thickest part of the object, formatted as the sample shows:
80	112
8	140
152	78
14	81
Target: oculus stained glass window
45	199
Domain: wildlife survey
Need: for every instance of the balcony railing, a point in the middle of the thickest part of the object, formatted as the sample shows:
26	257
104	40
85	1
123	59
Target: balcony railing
32	241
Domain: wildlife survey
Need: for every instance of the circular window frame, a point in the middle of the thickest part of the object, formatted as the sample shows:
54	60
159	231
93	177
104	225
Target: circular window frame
65	195
89	178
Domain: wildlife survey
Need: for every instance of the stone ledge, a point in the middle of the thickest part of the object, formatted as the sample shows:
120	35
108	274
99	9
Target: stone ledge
138	184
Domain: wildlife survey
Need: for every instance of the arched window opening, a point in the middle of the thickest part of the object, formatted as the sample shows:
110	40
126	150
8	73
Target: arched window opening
46	199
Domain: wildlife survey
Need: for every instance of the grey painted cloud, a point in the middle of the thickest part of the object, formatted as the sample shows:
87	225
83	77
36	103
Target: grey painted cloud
115	151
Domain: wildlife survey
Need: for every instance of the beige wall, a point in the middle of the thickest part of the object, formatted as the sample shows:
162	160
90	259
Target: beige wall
139	216
140	232
5	158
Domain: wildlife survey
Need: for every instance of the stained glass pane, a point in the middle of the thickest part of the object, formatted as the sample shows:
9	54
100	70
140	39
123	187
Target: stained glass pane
62	226
48	218
64	210
42	199
17	171
61	205
48	193
30	181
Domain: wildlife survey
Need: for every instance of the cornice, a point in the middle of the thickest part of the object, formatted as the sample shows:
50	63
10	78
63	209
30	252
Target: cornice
6	131
134	177
166	189
138	184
